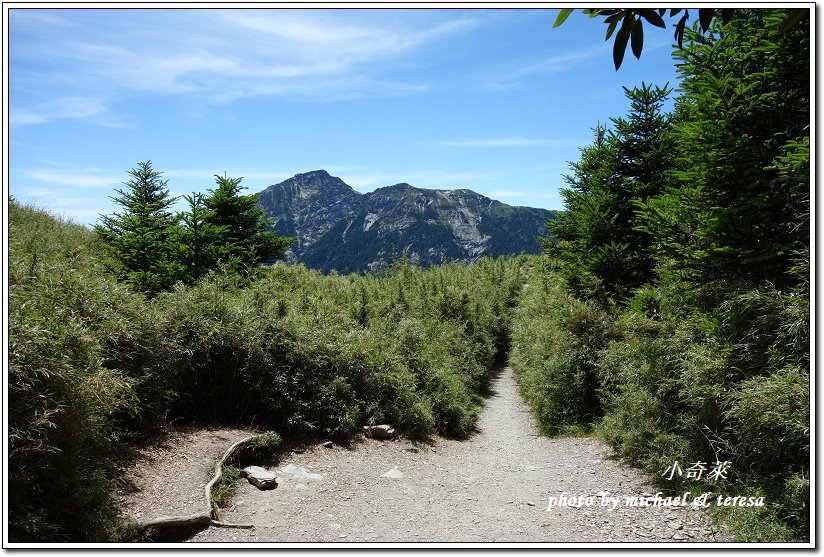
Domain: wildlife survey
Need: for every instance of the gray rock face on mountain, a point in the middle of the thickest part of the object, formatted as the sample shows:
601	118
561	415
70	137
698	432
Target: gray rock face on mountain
338	228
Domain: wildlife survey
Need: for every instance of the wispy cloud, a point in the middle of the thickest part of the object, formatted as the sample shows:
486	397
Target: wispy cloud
550	65
91	110
39	18
23	117
88	216
511	142
367	180
74	179
36	192
312	33
58	199
208	174
75	67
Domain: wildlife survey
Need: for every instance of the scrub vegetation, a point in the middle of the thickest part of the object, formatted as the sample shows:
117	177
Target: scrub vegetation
672	315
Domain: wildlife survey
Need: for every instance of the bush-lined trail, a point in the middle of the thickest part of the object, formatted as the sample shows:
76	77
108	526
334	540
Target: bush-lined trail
493	487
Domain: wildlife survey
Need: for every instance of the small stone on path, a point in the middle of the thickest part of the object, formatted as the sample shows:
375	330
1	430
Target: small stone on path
393	473
383	431
259	477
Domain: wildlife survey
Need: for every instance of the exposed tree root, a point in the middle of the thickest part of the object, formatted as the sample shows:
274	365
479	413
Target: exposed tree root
193	520
218	524
197	521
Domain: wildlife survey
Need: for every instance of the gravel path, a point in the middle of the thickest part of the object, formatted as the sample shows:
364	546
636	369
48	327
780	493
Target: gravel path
494	487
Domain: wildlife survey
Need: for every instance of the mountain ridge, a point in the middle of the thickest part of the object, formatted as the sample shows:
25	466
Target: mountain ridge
339	228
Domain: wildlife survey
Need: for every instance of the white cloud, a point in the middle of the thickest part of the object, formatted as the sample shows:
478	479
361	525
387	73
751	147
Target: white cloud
547	66
79	215
27	117
72	201
362	182
214	56
427	179
337	41
91	110
39	18
36	192
208	174
74	179
204	174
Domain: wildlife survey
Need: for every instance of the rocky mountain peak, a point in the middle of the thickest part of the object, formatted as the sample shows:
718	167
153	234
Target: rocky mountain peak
339	228
317	183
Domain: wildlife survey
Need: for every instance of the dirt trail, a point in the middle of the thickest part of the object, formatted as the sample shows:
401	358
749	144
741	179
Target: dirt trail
493	487
168	477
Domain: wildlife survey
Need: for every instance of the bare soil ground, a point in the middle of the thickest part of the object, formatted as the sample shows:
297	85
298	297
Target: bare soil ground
493	487
168	477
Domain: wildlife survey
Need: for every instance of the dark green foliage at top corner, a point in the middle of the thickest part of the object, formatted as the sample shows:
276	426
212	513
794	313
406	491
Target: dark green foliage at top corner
631	30
716	193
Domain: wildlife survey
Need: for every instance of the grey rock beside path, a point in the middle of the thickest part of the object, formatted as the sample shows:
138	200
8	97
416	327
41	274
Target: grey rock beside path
290	471
259	477
379	431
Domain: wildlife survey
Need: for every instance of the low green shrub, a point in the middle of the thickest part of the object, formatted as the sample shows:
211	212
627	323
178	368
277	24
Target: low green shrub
556	340
261	446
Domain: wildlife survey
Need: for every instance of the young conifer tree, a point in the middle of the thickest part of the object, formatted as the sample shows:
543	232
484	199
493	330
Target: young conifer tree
245	240
598	234
137	242
199	242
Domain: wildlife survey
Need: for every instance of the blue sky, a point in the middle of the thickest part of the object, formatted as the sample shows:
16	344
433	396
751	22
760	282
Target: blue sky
491	100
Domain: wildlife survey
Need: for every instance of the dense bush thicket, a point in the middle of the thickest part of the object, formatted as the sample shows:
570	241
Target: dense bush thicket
731	385
301	352
93	364
61	394
706	357
555	343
